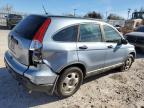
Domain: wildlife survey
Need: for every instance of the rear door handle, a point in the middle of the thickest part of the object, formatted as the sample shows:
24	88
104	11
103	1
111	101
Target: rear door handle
110	46
83	47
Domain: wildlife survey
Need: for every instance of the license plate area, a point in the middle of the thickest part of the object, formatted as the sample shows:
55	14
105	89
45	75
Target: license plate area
13	44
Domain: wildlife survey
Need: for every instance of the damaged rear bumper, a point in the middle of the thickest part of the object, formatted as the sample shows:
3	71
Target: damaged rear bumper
33	78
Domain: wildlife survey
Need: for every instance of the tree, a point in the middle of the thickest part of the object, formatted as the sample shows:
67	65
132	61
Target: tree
94	15
141	9
114	17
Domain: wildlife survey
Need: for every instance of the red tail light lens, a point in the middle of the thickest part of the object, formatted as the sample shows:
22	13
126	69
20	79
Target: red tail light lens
38	38
41	32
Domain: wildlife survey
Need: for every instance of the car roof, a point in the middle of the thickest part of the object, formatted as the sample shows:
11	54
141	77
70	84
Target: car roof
77	18
80	19
135	34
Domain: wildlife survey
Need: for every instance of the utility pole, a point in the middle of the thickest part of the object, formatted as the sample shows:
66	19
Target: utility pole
75	12
106	14
129	11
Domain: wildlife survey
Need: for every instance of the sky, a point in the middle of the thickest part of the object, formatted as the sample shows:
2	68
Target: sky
61	7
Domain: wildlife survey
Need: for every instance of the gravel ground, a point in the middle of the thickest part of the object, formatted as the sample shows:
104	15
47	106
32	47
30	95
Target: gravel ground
112	89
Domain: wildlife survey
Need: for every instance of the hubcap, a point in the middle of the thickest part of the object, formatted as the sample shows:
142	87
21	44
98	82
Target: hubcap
70	82
128	63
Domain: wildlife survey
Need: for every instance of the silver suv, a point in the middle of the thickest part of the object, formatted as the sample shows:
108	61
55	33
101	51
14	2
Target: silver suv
54	54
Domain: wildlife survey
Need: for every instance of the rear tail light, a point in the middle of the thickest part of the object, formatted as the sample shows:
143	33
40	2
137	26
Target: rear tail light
38	38
36	44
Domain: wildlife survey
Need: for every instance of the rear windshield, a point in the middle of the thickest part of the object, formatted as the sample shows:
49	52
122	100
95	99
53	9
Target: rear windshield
29	26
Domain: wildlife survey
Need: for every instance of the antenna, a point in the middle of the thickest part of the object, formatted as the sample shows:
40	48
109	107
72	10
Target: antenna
44	9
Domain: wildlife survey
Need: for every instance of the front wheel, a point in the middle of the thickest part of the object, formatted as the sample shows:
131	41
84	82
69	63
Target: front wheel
128	63
69	82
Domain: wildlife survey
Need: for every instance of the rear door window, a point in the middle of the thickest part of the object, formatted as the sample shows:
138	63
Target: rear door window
67	35
90	33
29	26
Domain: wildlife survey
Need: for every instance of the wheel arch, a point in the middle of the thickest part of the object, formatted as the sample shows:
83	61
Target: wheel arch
79	65
134	55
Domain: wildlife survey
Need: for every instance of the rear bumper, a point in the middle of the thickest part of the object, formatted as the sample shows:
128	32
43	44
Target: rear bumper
35	79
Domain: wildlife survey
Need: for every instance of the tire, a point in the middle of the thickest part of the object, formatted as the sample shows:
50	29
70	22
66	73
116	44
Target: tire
69	82
128	63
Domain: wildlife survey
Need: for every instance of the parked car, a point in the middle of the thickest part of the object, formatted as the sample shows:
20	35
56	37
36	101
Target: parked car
140	29
12	20
55	54
137	38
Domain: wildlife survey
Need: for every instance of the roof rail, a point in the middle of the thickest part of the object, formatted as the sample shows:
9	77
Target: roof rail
73	17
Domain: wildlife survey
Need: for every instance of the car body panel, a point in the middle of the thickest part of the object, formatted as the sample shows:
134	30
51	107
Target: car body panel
14	64
41	74
136	39
93	56
115	55
19	47
136	34
59	54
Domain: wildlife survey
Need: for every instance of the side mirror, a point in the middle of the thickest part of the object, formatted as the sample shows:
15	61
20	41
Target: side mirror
124	41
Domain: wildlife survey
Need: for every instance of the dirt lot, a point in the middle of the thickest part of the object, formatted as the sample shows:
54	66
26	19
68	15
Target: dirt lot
109	90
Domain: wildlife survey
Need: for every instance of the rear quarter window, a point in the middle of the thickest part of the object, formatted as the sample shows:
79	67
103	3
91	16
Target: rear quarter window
68	34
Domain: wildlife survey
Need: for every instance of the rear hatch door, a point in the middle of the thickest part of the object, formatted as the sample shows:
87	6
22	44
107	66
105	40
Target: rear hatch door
21	36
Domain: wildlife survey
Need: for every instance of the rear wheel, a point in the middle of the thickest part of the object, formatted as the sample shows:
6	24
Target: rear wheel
69	82
128	63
